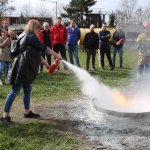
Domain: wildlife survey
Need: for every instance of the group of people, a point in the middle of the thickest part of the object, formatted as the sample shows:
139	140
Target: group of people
93	41
5	42
58	37
24	68
36	43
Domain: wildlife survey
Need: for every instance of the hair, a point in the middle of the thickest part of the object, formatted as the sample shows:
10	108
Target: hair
104	24
32	25
3	30
45	23
59	18
72	20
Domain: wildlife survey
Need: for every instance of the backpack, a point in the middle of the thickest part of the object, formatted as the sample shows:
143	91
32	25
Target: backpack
15	44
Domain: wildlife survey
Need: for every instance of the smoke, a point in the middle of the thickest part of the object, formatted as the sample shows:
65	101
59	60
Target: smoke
135	97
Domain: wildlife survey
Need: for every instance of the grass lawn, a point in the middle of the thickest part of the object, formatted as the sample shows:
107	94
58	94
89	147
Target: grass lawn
54	88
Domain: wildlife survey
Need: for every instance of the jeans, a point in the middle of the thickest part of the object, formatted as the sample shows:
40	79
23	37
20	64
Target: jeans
13	93
89	53
4	65
104	49
73	50
120	51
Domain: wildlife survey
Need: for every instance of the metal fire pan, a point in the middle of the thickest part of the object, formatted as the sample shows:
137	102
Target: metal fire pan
122	114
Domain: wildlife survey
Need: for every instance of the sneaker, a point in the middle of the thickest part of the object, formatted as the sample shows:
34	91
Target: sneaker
94	69
112	68
6	120
31	115
1	82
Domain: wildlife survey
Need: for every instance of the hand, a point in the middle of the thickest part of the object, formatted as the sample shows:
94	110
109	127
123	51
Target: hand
59	57
47	66
117	43
108	35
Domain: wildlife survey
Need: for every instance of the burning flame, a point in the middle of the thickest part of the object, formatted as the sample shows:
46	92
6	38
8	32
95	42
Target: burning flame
122	99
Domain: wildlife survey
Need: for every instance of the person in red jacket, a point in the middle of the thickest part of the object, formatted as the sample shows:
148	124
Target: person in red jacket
59	38
45	37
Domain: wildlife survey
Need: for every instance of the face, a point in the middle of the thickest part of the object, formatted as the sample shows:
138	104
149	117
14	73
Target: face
46	27
5	24
12	34
4	34
92	28
37	31
73	23
118	28
58	22
104	26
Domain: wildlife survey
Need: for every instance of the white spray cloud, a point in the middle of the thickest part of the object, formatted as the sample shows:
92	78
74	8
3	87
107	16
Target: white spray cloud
137	95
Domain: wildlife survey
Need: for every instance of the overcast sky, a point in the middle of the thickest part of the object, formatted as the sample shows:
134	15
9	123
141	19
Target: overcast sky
104	5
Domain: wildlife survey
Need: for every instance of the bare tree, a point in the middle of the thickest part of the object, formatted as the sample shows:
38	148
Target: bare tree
119	16
5	8
27	10
128	7
139	15
43	11
146	13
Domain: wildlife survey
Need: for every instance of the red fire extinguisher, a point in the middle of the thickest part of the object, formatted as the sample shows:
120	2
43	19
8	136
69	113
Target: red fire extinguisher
54	66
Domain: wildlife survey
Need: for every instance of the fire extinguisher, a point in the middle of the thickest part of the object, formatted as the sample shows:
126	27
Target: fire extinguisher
120	42
54	66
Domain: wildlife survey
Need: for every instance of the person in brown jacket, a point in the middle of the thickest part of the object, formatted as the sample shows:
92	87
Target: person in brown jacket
5	57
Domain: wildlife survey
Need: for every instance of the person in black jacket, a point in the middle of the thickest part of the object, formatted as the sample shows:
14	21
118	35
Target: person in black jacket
118	43
91	43
24	69
104	46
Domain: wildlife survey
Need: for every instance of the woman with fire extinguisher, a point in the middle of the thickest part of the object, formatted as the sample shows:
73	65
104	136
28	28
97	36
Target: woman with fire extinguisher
24	69
118	43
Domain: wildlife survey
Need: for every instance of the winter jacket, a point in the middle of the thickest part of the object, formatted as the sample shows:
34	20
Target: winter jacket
73	35
4	51
24	67
143	44
104	36
58	34
91	40
41	36
118	36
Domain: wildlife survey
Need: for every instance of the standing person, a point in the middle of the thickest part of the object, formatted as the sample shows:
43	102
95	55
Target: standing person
24	69
72	41
5	57
91	43
12	35
44	37
143	45
104	46
118	43
4	26
59	38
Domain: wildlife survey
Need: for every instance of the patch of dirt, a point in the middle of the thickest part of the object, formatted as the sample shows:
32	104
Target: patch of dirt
99	130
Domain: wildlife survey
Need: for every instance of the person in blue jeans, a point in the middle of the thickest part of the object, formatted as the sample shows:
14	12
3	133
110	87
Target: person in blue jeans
118	40
5	57
24	69
72	42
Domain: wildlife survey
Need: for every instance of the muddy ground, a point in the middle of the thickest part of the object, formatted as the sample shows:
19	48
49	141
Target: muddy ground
100	130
